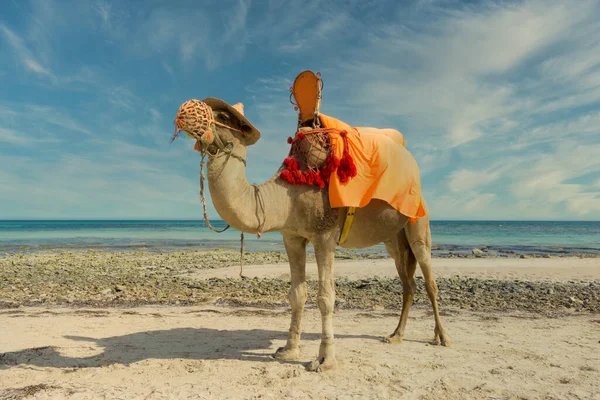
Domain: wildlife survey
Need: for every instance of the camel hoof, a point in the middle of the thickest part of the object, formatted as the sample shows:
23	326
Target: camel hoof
441	341
393	339
284	354
320	365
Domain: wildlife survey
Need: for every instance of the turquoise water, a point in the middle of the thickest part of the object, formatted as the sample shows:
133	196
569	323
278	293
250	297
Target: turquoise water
454	236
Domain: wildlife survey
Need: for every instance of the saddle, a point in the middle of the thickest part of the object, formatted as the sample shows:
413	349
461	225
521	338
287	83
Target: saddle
357	164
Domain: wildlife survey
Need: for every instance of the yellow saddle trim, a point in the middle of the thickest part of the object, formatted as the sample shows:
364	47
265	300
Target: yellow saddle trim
307	95
347	224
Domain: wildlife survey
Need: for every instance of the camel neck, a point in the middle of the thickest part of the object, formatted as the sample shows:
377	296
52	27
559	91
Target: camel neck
247	208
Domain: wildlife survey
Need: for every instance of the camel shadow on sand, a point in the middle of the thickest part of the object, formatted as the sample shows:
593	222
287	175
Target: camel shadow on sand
185	343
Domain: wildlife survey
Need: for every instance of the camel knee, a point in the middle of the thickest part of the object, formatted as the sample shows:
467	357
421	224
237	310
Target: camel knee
409	287
421	251
297	296
432	287
325	303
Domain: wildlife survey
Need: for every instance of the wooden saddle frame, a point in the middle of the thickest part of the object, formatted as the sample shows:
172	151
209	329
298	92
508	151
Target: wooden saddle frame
306	93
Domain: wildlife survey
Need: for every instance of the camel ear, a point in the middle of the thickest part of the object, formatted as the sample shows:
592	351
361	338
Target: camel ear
239	108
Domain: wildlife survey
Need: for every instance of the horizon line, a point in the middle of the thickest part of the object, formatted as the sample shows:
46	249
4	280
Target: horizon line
219	219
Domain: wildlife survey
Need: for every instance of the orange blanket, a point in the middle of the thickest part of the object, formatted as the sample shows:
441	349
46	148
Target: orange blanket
385	170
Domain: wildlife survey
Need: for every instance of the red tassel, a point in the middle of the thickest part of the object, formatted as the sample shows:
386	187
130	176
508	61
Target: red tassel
347	169
290	140
345	166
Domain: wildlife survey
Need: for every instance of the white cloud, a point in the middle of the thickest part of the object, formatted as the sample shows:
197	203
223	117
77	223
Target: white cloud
24	54
103	9
464	180
22	139
545	182
13	137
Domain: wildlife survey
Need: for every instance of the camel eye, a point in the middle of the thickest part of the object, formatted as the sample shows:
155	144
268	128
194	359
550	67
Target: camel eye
223	117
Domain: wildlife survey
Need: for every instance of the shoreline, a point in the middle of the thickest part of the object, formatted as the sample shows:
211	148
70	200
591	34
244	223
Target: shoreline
375	252
252	246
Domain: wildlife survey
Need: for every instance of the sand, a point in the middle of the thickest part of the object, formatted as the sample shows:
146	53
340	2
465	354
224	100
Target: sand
208	351
562	269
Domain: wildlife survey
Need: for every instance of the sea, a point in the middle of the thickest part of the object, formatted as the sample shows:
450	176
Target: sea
448	237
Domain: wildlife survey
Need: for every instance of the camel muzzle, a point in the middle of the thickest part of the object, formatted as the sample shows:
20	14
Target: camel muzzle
196	119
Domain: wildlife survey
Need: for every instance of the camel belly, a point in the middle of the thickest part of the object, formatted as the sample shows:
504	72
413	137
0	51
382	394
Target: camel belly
375	223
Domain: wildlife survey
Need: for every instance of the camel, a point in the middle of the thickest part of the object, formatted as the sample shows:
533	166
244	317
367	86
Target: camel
302	214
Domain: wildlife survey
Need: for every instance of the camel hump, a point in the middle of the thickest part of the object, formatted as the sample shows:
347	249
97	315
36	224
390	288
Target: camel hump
393	134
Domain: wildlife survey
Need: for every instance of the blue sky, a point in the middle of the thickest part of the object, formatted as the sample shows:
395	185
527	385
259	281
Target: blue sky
499	102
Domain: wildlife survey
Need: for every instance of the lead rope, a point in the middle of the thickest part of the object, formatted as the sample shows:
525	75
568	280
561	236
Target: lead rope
242	256
207	222
260	203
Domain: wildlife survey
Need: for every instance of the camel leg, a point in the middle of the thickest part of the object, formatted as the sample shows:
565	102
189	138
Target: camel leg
324	253
406	264
419	237
296	250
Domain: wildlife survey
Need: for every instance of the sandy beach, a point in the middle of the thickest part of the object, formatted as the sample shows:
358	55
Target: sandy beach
217	343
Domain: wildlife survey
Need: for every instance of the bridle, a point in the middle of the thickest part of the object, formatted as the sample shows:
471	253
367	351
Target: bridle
197	120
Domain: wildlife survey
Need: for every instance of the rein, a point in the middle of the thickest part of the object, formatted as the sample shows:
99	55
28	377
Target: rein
228	150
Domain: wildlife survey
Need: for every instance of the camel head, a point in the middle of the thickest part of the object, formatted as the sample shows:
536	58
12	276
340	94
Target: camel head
214	123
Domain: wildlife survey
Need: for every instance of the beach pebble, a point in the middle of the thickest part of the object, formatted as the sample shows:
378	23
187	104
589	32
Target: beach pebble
478	253
129	278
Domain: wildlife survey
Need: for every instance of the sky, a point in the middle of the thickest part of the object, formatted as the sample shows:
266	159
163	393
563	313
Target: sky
499	102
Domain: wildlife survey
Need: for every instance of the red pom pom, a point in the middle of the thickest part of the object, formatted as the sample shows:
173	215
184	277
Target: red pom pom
300	135
290	140
310	177
291	163
321	183
287	176
324	175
